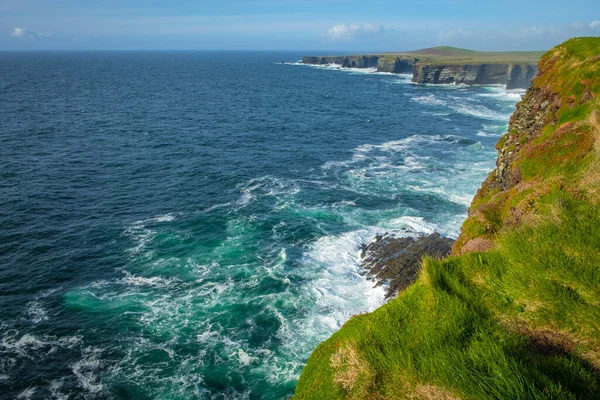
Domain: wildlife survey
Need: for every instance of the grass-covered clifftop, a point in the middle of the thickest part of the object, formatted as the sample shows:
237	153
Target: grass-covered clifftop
515	312
453	55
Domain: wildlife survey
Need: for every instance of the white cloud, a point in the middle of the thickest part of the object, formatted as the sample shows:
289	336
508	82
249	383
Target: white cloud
347	32
595	24
19	32
26	33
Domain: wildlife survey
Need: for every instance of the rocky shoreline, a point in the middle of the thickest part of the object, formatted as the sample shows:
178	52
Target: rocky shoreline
395	262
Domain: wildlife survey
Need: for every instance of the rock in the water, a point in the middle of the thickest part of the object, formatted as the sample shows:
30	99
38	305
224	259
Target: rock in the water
397	261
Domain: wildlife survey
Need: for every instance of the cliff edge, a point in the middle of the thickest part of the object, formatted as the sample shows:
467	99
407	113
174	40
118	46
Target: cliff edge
514	312
447	65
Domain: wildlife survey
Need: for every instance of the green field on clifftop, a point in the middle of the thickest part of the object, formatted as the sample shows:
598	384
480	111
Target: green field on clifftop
515	312
453	55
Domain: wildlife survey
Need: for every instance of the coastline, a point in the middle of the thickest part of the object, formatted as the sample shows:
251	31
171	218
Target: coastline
440	66
511	313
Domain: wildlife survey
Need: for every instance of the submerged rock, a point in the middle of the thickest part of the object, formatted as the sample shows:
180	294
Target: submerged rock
397	261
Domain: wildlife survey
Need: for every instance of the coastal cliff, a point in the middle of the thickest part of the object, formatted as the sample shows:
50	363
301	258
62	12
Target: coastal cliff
446	66
512	75
513	312
396	65
344	61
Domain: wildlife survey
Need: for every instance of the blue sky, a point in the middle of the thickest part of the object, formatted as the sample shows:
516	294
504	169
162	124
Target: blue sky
316	25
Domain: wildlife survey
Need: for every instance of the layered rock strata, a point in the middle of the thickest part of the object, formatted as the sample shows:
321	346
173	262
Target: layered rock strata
512	75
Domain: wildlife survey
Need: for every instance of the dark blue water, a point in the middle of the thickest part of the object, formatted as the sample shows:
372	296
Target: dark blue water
188	225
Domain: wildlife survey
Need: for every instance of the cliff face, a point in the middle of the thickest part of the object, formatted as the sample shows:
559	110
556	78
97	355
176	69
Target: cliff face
521	75
513	76
396	65
323	60
513	312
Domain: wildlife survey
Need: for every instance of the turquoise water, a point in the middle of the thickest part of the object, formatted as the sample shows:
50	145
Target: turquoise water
188	225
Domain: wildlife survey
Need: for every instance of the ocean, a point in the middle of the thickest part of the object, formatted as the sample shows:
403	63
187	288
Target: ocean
188	225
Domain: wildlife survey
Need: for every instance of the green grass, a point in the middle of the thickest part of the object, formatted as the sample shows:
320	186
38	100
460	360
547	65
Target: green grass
459	330
452	55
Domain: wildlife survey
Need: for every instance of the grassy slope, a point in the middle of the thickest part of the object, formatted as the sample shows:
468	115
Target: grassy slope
521	321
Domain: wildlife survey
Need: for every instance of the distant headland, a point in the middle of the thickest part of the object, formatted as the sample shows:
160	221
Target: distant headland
447	65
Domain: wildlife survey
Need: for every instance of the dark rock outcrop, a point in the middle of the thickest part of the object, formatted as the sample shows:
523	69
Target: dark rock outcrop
396	261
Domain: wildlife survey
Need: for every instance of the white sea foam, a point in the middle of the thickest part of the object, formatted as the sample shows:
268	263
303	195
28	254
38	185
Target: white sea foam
17	348
333	291
336	286
245	359
246	198
55	389
403	78
449	86
346	203
155	281
488	134
469	105
140	232
501	128
281	190
503	94
339	67
480	111
413	141
37	313
361	70
216	207
163	218
445	192
27	393
429	99
409	226
87	371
